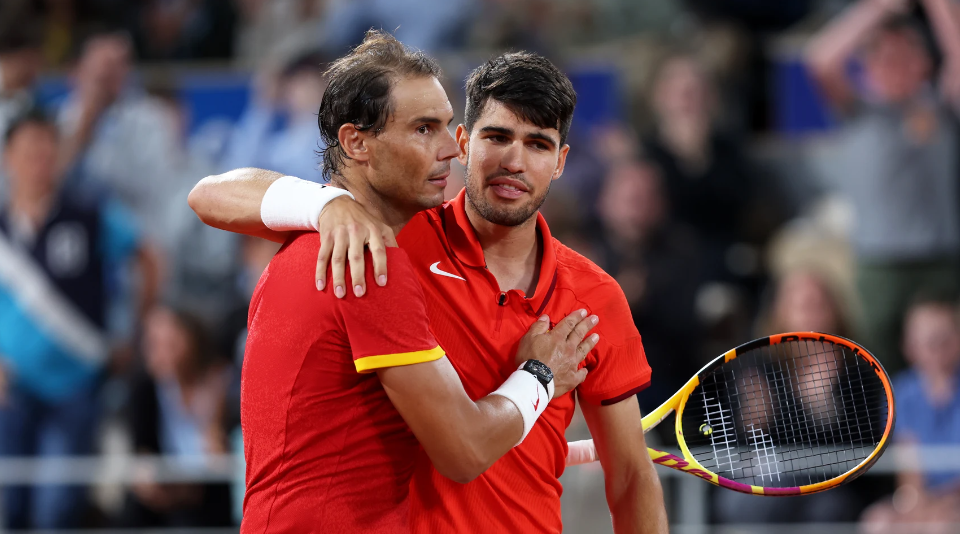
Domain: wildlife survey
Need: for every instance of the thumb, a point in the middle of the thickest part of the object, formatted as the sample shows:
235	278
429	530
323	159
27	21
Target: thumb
540	326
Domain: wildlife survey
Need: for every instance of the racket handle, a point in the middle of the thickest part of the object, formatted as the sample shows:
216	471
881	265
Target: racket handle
581	452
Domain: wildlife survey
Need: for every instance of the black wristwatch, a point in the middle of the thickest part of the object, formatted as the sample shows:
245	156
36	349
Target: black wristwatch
539	370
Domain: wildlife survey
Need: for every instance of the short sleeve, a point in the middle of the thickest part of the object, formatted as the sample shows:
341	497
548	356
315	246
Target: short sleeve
119	232
617	366
388	326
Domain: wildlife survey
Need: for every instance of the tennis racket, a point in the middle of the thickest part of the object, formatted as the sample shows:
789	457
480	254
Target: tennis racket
782	415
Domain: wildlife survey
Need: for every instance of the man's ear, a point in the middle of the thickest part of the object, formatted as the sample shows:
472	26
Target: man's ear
463	139
561	161
353	142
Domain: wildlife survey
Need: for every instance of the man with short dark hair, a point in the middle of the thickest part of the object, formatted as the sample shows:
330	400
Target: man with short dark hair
336	393
489	268
57	253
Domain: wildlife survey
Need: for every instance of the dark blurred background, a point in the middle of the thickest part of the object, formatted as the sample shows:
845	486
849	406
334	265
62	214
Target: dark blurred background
741	167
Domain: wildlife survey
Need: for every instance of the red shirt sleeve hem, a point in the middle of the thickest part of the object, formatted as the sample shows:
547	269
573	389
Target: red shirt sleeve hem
624	396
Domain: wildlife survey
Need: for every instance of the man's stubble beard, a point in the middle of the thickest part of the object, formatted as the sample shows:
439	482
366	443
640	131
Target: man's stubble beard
490	213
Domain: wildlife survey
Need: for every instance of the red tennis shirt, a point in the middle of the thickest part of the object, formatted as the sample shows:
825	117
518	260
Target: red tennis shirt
326	450
480	328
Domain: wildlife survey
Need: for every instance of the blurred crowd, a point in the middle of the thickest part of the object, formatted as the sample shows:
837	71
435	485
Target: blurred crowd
121	313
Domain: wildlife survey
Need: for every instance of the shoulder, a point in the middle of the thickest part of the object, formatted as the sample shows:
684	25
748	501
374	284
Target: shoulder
573	268
297	256
596	290
909	389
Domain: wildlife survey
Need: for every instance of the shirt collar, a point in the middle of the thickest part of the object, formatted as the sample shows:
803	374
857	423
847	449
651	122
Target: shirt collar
466	247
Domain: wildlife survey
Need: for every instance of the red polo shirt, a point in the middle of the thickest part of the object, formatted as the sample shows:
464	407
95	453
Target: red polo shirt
480	327
326	450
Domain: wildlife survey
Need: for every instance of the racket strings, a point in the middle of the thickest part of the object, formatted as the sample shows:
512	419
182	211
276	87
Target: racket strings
786	415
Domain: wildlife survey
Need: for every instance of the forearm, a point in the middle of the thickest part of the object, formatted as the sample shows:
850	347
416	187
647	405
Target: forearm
832	46
77	139
231	201
636	502
483	432
945	19
632	487
462	437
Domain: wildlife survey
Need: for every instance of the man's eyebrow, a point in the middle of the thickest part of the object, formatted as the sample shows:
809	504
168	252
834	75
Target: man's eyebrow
497	129
431	120
543	137
539	136
428	120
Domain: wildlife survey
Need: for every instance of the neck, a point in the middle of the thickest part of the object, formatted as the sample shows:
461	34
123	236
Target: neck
686	135
34	206
386	211
512	253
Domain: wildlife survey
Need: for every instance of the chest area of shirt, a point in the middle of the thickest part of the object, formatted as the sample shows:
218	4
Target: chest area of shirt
66	247
478	325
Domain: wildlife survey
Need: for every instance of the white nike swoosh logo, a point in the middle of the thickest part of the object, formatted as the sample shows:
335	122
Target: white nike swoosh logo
435	269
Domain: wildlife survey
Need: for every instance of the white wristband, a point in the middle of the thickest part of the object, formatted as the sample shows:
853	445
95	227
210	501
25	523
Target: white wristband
528	394
292	204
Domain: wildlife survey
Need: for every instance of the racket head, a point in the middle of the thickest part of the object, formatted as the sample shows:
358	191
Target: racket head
787	414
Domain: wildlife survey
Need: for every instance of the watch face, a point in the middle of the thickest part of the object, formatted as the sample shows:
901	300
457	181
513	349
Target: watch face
541	370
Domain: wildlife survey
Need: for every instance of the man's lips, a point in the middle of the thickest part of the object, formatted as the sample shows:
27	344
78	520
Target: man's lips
508	188
439	180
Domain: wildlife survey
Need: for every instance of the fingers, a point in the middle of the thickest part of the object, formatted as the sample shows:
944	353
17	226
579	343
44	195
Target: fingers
389	238
582	329
566	326
338	261
379	253
540	326
323	259
580	376
355	256
586	346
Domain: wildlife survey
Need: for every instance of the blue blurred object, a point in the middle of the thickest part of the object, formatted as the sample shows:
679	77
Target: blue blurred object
206	96
598	97
798	108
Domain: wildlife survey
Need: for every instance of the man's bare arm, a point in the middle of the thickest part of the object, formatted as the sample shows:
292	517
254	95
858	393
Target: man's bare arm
944	16
231	202
463	438
633	488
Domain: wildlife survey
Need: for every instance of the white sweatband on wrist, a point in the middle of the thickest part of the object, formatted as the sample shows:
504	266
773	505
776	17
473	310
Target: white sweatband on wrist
528	394
292	204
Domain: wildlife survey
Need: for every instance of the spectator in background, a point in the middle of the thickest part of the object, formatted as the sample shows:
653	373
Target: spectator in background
177	408
708	181
56	257
657	264
928	406
276	28
291	98
898	155
20	64
201	261
803	300
119	140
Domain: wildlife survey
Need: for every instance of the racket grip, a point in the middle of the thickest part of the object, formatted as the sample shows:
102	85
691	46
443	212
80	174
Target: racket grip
581	452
